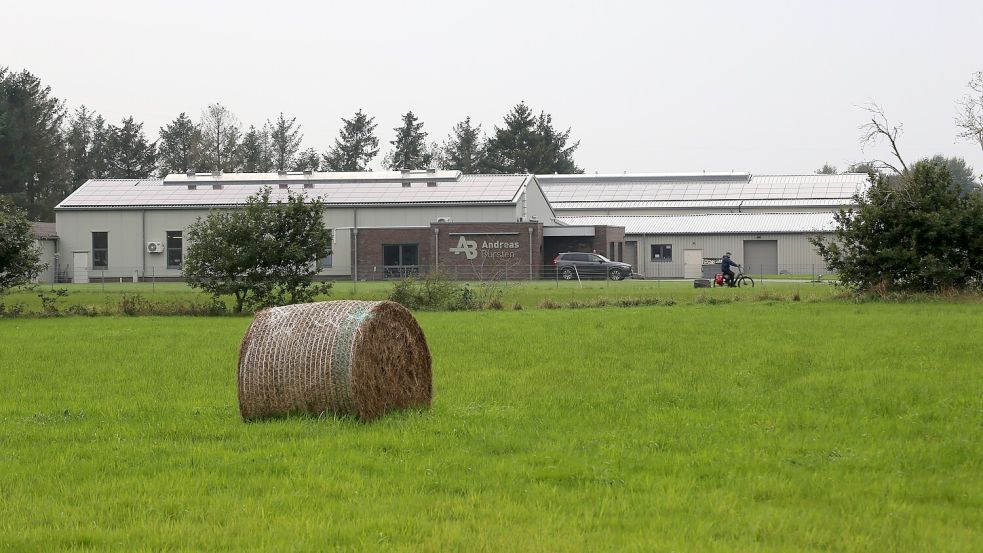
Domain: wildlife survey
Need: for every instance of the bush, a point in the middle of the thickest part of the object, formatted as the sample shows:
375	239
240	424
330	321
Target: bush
435	292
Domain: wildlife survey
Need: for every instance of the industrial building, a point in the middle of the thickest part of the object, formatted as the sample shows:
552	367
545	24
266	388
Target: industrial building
391	224
679	225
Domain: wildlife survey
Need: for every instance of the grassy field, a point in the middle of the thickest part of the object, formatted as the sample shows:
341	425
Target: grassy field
764	426
527	294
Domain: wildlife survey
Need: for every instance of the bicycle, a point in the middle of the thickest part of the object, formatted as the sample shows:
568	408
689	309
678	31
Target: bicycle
740	279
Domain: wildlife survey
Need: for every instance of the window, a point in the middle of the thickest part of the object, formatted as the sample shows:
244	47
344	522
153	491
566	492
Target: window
661	252
399	260
100	250
327	260
621	251
175	252
611	250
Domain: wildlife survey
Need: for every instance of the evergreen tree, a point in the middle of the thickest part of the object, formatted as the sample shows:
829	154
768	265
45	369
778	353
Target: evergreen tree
285	141
33	161
308	160
128	154
222	134
916	233
180	148
464	148
85	140
254	151
528	143
409	148
355	148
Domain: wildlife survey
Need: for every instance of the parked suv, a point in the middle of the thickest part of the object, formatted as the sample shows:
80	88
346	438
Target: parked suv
570	265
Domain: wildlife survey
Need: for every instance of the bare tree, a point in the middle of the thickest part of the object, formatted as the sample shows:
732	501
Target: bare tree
969	119
877	128
221	136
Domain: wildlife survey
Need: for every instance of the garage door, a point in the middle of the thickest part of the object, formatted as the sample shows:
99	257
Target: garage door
761	256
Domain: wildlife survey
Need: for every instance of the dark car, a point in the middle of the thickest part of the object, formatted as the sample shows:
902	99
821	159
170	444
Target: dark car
571	265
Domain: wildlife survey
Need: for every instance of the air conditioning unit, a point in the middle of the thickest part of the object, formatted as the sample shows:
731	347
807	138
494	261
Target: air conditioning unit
154	247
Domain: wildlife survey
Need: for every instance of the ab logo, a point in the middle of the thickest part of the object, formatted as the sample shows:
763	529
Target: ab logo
468	247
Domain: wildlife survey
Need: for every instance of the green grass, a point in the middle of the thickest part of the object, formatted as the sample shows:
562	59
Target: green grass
527	294
765	426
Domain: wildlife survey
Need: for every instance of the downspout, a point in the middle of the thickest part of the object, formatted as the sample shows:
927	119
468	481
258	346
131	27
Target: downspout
355	232
436	249
143	241
530	254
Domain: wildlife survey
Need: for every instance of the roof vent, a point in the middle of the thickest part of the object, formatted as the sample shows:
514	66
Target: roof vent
216	173
192	186
431	169
406	185
431	184
190	174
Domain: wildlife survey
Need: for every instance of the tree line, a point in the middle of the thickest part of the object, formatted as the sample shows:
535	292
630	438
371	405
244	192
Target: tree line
47	151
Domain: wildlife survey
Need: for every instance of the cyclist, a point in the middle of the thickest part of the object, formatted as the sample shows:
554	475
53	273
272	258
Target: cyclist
725	264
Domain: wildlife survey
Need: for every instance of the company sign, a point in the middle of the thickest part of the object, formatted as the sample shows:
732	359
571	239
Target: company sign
494	249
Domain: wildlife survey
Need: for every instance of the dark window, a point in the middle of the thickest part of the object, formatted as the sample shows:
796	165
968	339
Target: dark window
399	260
100	250
575	257
611	250
621	251
175	251
661	252
327	260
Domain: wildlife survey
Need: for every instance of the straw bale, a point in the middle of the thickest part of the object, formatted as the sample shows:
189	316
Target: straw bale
360	358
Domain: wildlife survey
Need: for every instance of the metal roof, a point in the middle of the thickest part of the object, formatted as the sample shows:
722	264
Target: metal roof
716	223
43	231
341	189
564	189
695	204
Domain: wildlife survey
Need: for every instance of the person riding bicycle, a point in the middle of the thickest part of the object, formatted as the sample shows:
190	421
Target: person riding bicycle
725	264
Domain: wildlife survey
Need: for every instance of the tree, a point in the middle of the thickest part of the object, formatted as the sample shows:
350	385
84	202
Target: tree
917	234
880	128
962	174
529	144
127	153
285	141
355	147
20	260
222	133
308	160
263	254
181	147
254	151
33	161
826	169
410	146
970	116
85	141
464	148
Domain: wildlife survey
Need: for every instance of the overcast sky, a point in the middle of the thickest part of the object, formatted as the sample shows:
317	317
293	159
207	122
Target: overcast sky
645	86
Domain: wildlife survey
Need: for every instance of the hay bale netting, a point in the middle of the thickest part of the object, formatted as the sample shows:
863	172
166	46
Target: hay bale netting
360	358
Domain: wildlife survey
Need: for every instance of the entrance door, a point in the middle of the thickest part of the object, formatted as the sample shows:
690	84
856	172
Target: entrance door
693	264
761	256
631	255
80	267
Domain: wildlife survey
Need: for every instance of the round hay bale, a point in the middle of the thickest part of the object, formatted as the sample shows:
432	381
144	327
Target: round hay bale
360	358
